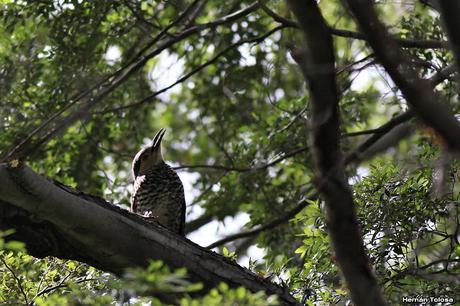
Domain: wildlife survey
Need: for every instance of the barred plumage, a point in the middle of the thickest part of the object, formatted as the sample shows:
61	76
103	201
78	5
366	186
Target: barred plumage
158	192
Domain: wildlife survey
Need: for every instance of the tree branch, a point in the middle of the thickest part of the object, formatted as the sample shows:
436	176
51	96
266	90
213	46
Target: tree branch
55	220
417	92
317	63
357	155
284	218
406	43
379	133
449	13
195	224
18	281
364	150
195	71
245	169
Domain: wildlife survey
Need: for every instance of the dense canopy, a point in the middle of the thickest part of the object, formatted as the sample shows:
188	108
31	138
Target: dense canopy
317	138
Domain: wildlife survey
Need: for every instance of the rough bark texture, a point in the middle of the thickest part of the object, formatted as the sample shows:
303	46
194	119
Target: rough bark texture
318	66
55	220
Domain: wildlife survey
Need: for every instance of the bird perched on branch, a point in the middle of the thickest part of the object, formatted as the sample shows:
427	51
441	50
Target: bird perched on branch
158	192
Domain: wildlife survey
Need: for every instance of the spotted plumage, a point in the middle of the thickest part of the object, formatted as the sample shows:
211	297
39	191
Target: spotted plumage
158	192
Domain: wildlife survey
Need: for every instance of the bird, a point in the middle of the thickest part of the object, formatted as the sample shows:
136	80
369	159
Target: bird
158	193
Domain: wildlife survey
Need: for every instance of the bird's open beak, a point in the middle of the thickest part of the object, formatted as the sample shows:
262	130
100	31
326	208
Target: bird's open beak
156	141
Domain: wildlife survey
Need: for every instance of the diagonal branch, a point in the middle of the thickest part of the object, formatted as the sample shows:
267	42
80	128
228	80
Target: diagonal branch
406	43
378	134
418	93
17	280
196	70
384	130
278	221
353	157
56	220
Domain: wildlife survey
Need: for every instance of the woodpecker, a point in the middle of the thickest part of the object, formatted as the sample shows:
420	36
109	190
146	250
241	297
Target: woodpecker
158	193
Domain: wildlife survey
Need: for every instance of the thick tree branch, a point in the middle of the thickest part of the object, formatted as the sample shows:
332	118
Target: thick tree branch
407	43
418	93
58	221
357	155
372	144
317	63
450	11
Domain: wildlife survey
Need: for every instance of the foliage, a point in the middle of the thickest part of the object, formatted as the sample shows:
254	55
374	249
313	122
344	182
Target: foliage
27	280
246	108
223	295
157	278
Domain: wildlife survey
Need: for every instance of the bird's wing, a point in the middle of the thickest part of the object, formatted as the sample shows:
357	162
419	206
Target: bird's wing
137	184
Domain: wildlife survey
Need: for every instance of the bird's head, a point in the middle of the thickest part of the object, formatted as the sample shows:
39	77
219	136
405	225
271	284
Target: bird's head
149	156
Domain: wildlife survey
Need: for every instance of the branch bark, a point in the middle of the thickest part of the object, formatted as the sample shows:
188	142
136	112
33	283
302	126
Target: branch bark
406	43
55	220
425	103
449	14
317	63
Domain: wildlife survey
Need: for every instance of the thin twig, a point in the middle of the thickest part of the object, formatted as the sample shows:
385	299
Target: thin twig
207	190
62	285
113	81
194	71
351	157
18	281
244	169
278	221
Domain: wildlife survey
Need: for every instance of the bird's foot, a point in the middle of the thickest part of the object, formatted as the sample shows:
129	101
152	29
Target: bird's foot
149	217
